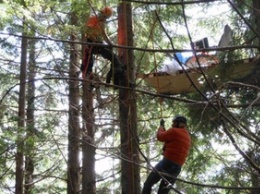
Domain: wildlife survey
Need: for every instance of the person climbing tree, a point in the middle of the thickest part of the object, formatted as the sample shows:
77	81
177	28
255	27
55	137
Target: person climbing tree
95	33
176	147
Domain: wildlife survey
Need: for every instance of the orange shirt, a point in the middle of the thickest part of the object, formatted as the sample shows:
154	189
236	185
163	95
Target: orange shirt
95	28
177	144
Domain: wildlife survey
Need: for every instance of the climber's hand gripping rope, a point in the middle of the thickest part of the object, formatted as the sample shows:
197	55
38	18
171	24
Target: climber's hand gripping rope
162	123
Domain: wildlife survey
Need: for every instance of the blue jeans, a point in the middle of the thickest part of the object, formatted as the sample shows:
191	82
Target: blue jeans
165	166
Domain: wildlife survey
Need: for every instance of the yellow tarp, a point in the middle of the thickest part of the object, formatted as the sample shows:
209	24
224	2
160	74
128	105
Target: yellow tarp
182	82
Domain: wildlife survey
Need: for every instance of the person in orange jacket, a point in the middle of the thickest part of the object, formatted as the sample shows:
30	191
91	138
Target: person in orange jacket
177	142
95	33
95	26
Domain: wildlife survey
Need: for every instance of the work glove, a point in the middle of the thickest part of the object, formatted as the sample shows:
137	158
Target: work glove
162	123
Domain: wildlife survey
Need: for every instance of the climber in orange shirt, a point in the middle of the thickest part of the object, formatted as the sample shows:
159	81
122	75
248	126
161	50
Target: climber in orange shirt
176	147
95	33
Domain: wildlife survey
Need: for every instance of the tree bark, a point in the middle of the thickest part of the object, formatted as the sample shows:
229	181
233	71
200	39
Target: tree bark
19	174
88	147
74	135
130	179
30	129
256	14
256	5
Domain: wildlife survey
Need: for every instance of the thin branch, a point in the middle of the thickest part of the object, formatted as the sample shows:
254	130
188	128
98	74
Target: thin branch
232	139
243	18
229	48
171	3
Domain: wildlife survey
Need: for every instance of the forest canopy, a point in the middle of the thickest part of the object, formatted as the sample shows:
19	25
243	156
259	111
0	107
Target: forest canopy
62	132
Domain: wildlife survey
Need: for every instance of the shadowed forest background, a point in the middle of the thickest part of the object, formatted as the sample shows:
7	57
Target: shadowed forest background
63	133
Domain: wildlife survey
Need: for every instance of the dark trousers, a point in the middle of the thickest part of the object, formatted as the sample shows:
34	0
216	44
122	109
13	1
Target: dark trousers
165	166
117	69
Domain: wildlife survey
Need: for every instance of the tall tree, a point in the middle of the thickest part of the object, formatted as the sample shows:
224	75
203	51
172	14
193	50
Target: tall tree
74	131
130	179
30	122
21	117
88	147
256	17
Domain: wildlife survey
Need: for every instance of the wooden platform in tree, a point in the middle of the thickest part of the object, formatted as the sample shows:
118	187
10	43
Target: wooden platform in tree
182	82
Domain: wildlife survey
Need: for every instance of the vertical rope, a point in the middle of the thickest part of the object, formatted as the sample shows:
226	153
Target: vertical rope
157	77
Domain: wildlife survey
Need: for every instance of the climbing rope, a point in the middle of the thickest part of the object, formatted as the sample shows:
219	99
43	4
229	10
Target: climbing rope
157	77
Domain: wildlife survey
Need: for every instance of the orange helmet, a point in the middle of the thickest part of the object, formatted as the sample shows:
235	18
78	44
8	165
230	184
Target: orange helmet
107	12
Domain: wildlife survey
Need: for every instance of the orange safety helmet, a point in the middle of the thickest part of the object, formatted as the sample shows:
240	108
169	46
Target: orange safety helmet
107	12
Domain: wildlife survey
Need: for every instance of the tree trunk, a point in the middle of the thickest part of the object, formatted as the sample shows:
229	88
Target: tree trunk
19	174
130	179
30	132
256	6
74	135
88	148
255	179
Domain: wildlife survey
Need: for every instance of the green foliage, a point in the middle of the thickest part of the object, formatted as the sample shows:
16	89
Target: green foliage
213	159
